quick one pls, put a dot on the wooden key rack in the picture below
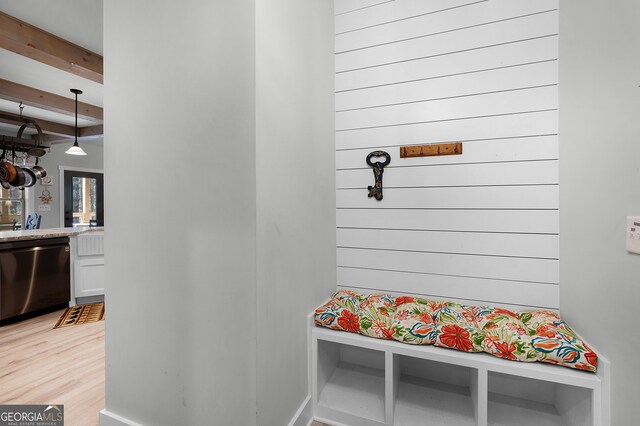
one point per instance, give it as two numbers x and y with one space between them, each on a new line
431 150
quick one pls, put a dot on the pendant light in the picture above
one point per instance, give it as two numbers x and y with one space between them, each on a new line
75 149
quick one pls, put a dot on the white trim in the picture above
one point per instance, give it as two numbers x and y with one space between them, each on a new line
107 418
61 170
304 415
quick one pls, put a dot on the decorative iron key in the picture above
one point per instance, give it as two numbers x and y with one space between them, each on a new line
378 169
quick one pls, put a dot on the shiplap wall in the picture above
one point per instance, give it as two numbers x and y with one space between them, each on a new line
481 227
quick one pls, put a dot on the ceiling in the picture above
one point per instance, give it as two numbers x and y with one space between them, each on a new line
78 22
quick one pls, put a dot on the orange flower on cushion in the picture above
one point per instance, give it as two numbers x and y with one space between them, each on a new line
547 345
457 337
388 333
501 311
469 315
434 306
405 299
349 321
426 318
591 357
505 350
490 340
571 356
546 331
380 328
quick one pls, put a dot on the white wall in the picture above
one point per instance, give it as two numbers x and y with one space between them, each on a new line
51 162
179 267
481 227
207 297
296 186
600 185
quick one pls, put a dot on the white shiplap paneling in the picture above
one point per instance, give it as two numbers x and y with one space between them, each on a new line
530 197
483 174
428 25
516 221
511 125
496 244
460 265
348 6
393 12
479 227
491 104
446 43
494 80
541 48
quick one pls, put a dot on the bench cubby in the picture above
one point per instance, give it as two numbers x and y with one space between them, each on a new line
434 390
361 381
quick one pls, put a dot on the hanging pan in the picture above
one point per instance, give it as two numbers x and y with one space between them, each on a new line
36 151
29 178
39 171
7 170
20 178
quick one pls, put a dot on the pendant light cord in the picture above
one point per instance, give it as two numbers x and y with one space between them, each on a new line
76 141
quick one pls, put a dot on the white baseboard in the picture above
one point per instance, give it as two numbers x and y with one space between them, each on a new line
108 418
304 415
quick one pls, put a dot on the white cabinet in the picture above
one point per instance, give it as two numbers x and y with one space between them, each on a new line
87 265
360 381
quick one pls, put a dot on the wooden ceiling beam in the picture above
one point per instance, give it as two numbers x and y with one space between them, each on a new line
46 126
90 131
15 92
25 39
57 130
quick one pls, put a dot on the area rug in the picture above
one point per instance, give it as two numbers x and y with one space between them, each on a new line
81 314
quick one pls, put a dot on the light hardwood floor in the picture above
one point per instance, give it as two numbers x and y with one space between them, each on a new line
40 365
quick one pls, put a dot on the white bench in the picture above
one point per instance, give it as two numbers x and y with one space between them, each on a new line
361 381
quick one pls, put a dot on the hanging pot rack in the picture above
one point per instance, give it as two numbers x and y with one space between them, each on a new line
34 147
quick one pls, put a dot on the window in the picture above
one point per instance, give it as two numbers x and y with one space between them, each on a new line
84 200
11 209
83 197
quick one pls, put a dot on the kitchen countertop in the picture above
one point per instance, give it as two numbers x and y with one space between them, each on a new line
35 234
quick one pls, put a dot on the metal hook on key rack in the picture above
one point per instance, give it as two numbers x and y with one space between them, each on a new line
378 169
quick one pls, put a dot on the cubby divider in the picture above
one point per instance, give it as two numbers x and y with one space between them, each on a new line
360 381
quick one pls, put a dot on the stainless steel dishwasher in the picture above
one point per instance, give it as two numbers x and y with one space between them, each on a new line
34 275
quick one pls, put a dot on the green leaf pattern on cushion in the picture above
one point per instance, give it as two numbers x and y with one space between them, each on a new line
377 310
413 323
556 343
505 334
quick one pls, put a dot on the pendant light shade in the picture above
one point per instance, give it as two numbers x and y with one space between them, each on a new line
75 149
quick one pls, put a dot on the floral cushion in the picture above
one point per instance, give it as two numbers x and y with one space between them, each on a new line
536 335
376 316
505 336
342 312
455 328
556 343
413 323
